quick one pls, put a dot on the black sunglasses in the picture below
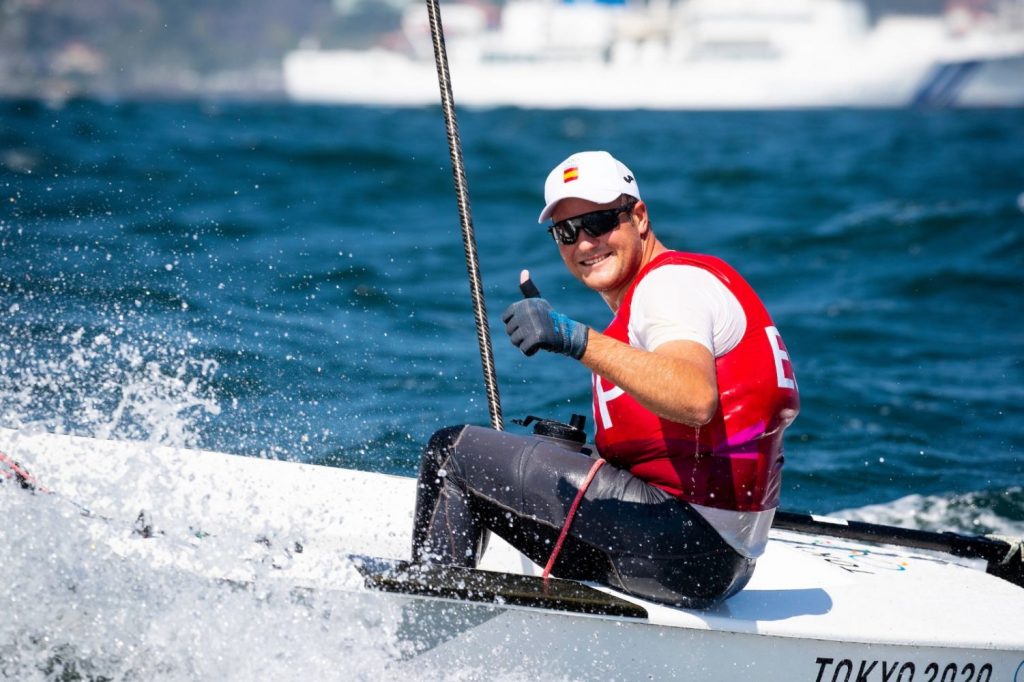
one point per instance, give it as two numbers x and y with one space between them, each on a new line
595 223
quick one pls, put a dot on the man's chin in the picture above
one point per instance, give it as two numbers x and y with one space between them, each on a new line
598 283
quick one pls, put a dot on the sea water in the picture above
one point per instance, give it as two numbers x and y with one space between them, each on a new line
285 281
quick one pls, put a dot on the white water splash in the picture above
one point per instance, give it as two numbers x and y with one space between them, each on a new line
970 512
78 608
108 387
86 598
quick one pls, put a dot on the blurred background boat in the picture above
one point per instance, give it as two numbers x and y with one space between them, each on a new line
684 54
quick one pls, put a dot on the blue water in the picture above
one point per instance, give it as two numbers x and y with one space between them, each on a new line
289 281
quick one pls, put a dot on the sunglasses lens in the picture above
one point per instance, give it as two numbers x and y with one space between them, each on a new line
595 224
565 233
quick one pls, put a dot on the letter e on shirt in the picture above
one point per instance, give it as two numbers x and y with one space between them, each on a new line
783 366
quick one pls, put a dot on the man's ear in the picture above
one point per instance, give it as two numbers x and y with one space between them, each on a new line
640 215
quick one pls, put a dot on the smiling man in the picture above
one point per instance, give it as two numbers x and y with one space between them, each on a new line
692 390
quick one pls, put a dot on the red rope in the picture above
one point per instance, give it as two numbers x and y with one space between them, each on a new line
17 472
570 516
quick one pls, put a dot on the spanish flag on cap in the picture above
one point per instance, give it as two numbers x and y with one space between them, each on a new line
571 173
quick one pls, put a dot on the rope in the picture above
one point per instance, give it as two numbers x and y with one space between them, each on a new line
483 334
1014 546
12 470
570 516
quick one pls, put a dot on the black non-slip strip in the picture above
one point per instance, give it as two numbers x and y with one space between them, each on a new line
488 587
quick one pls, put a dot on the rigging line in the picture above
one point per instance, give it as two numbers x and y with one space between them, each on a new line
483 334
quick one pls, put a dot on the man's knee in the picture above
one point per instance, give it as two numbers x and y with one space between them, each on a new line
441 445
439 450
443 440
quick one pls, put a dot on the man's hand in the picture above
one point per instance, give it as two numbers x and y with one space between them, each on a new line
532 324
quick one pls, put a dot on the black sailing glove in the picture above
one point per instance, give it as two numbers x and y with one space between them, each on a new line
532 324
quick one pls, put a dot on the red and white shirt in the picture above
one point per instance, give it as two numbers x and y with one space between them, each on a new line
729 469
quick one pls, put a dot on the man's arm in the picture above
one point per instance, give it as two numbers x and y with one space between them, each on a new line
677 381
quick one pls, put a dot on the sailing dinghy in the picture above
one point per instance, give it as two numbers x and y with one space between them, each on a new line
824 603
820 607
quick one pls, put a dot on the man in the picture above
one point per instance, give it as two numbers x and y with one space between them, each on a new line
693 388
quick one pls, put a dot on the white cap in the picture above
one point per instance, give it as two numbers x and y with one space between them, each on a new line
594 176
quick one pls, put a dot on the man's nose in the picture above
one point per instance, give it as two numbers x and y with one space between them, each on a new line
585 242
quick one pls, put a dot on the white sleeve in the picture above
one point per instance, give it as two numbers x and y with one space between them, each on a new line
685 303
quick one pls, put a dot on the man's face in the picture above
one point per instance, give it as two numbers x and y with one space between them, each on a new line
606 264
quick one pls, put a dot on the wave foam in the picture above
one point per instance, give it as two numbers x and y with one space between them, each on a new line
981 513
104 386
81 602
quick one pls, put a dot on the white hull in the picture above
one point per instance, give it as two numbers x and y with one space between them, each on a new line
685 55
380 78
385 79
817 608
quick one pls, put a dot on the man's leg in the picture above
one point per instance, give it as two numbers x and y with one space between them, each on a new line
473 478
444 528
626 533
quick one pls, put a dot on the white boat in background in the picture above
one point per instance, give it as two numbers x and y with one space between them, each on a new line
817 608
681 54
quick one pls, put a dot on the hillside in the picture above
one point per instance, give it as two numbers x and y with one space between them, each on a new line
161 48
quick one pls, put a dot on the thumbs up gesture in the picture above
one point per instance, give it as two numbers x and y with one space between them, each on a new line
532 325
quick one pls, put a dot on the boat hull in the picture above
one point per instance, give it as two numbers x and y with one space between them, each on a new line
817 608
380 78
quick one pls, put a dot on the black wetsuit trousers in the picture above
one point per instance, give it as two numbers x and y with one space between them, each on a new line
626 534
